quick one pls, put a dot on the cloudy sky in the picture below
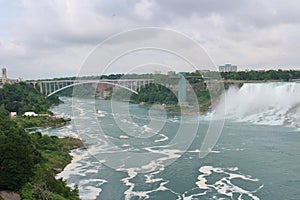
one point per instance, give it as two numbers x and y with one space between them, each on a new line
50 38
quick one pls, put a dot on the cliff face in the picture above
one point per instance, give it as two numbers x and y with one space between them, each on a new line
6 195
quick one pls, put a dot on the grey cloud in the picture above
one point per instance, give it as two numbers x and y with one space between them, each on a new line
239 31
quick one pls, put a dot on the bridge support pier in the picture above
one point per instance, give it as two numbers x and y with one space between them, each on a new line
41 87
182 90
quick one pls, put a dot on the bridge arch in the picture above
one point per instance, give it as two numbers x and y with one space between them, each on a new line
87 82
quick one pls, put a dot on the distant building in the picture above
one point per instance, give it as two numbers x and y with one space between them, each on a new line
157 72
29 114
4 76
13 115
171 73
202 71
5 80
228 68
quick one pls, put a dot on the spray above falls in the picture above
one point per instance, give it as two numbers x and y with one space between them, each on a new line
265 103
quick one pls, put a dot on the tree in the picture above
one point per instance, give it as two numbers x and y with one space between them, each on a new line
16 154
22 97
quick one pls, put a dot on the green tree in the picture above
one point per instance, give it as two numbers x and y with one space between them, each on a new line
16 155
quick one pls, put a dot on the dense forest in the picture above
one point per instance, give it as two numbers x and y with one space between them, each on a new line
154 93
22 97
159 94
284 75
28 161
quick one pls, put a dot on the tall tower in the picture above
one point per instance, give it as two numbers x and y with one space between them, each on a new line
4 75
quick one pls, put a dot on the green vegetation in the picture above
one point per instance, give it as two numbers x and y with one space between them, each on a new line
158 94
39 121
28 162
153 93
22 97
17 154
118 94
283 75
54 156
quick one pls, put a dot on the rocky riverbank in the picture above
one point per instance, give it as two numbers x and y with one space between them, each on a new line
7 195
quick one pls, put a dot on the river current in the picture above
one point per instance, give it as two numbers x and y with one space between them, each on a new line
249 161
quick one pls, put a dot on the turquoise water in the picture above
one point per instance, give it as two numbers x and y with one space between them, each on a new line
249 161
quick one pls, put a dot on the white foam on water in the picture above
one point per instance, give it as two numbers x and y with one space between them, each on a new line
129 193
126 121
224 185
101 113
149 179
91 171
146 128
174 119
75 166
125 145
154 167
206 171
164 138
89 192
198 151
81 166
170 154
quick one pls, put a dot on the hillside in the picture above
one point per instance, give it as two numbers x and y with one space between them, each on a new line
22 97
28 162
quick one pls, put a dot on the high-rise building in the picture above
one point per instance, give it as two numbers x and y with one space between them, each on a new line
228 68
171 73
4 75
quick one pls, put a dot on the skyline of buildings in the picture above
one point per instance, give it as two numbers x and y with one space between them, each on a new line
228 68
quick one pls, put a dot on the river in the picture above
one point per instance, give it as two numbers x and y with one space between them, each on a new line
251 160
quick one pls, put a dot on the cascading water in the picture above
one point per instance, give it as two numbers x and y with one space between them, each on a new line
265 103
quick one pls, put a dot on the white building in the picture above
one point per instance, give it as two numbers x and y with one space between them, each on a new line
29 114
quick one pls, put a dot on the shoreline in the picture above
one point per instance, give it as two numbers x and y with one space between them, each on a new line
80 145
43 127
177 109
57 161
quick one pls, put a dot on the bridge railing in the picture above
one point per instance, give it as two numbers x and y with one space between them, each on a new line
49 87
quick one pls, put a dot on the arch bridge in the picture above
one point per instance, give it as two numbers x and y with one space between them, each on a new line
49 88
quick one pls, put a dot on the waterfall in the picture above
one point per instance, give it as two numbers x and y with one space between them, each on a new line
265 103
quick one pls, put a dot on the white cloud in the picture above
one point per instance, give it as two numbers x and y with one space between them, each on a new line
51 38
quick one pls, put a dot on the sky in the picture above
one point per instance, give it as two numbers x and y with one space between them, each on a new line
53 38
